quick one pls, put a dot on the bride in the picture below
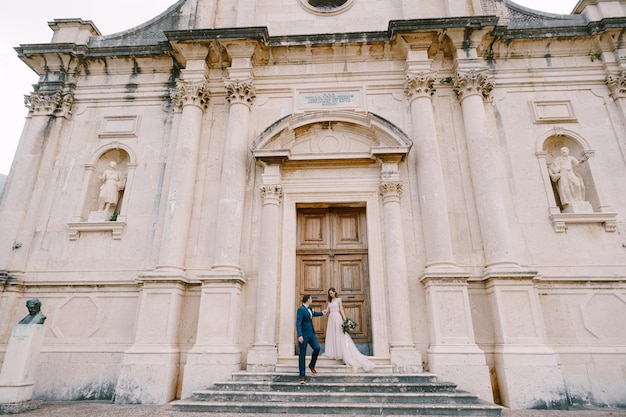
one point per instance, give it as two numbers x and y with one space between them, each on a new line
339 345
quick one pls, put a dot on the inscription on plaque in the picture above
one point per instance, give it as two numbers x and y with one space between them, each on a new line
331 99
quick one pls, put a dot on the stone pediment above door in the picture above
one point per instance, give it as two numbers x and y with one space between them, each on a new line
331 136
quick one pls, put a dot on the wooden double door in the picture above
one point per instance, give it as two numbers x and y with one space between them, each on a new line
332 252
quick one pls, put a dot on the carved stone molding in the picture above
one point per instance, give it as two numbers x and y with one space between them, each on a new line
473 82
421 85
76 228
271 194
190 93
561 221
617 85
56 103
240 92
391 190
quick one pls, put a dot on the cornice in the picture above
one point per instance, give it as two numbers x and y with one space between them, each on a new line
510 31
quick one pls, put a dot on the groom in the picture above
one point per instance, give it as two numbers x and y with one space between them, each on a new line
306 335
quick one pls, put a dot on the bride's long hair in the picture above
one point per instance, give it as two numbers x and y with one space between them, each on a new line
330 299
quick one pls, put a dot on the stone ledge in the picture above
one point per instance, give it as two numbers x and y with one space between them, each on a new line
560 221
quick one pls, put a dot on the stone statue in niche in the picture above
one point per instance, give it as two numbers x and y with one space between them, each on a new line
112 182
35 316
570 185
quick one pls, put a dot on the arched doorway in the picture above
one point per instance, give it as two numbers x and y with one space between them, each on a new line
329 167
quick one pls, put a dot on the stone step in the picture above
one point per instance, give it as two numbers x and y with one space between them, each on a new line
305 395
486 410
324 375
320 385
374 393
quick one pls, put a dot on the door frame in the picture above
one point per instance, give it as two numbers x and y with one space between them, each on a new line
349 189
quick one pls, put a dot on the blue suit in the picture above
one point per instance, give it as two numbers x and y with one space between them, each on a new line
304 327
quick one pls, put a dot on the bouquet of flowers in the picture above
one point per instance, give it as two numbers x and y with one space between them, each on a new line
348 325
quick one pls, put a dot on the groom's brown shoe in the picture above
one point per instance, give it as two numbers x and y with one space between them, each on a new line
313 371
302 381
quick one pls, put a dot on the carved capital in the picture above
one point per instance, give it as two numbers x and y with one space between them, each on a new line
190 93
469 83
240 92
271 194
617 85
56 103
391 190
421 85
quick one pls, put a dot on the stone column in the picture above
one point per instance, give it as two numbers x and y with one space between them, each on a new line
49 107
403 353
264 355
151 367
522 357
472 87
222 285
191 96
240 94
432 192
453 354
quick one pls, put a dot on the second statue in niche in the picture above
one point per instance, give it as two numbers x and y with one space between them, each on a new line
570 184
113 182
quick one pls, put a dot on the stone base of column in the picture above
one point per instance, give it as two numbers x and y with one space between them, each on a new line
529 377
205 366
21 407
16 393
148 377
262 358
405 359
464 365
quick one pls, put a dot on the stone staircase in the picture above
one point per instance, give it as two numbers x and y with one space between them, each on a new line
337 392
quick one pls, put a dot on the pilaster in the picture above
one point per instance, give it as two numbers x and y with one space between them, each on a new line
264 354
27 185
403 353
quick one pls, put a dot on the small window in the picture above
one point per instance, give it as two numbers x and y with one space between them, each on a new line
326 6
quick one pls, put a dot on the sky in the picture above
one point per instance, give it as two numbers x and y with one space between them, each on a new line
26 21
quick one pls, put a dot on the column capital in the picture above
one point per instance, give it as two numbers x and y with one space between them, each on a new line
57 103
240 92
391 190
473 82
190 93
617 84
419 85
271 194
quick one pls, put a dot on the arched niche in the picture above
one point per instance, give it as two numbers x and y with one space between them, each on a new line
108 173
590 209
553 147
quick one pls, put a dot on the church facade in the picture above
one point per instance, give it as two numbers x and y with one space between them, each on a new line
455 169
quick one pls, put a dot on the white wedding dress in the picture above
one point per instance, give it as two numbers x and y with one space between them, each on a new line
339 345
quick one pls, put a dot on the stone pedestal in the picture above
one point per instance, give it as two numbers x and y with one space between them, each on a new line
17 378
578 207
100 216
453 354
